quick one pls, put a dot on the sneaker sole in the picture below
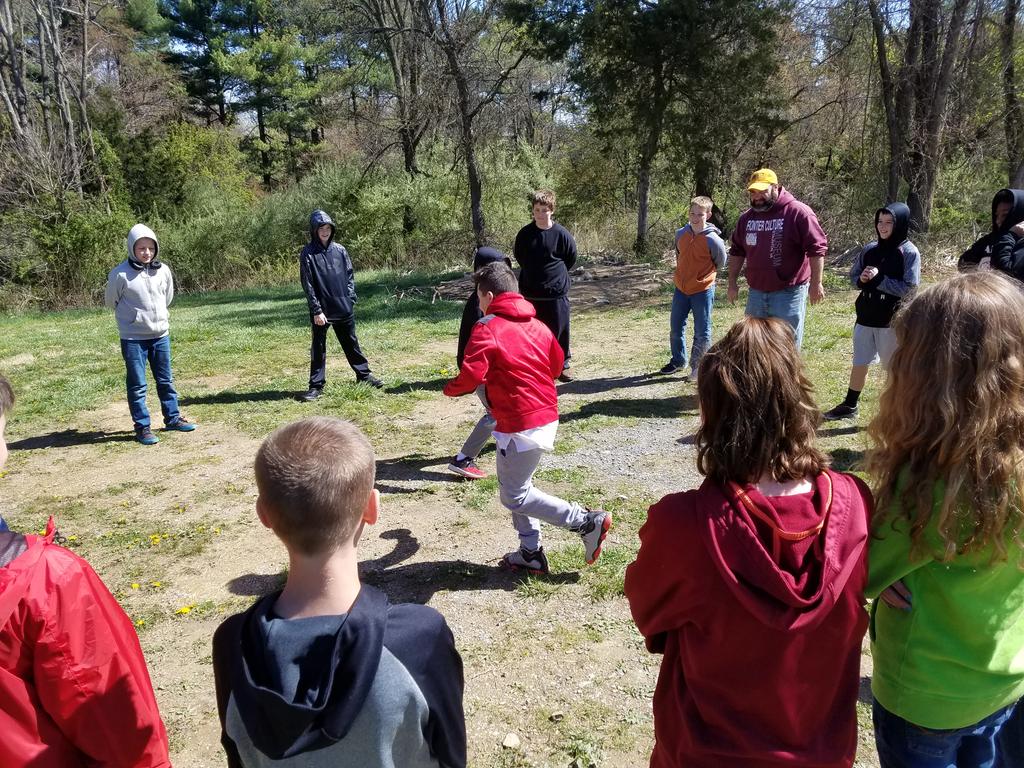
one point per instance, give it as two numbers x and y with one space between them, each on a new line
465 473
606 526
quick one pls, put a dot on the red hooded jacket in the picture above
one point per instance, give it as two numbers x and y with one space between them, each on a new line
517 358
758 607
74 689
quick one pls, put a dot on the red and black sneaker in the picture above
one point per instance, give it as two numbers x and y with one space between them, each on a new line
466 468
530 560
593 532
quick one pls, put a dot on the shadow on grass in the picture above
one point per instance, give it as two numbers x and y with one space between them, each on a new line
651 408
846 459
226 398
419 582
412 582
412 468
429 385
609 383
69 437
851 429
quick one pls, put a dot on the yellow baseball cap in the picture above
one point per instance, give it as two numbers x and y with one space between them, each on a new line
761 180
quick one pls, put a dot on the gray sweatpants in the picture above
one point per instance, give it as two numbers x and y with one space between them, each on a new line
482 431
527 504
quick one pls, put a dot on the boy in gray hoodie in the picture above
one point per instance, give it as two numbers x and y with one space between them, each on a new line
139 290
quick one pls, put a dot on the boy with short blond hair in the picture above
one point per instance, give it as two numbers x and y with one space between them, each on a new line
517 358
546 251
327 666
700 253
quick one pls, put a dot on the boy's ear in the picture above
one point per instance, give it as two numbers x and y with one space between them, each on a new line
261 513
372 508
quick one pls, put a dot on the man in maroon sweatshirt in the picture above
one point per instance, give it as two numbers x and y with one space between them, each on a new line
783 246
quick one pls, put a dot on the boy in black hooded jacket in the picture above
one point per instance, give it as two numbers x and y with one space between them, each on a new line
325 270
885 270
1003 247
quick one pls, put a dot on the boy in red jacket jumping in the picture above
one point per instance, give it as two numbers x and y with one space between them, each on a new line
517 358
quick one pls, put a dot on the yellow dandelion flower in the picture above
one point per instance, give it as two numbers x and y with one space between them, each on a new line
135 585
156 583
185 610
140 623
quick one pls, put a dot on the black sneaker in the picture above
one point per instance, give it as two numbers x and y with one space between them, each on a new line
670 368
372 381
145 436
567 375
531 561
841 411
593 533
313 394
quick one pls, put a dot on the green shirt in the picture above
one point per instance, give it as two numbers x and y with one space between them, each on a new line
958 655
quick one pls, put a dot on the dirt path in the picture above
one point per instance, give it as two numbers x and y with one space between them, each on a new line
557 663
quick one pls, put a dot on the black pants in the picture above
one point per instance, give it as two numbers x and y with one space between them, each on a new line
554 313
345 330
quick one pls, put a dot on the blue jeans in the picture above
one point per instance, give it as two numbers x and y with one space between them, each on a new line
158 353
700 304
902 744
789 304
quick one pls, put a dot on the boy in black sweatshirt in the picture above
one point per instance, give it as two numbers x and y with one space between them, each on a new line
1002 248
325 270
546 252
886 270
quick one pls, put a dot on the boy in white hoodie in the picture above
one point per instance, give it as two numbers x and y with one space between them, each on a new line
139 290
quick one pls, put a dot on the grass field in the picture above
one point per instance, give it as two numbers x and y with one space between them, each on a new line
172 531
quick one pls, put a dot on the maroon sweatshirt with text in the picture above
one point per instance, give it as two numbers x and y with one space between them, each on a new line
757 604
777 243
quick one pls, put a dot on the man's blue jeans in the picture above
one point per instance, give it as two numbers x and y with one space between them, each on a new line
902 744
789 304
700 304
158 353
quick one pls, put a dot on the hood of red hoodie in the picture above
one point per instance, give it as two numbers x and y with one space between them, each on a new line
787 559
512 306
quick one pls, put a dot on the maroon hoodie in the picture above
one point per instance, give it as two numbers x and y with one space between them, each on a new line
757 604
777 243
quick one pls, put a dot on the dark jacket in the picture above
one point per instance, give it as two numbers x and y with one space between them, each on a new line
899 270
379 686
326 273
471 312
757 604
546 256
517 358
74 688
1003 249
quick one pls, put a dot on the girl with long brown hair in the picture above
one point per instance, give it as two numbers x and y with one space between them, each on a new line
752 585
946 555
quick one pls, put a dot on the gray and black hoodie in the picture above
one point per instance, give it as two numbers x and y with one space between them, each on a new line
378 687
899 270
326 273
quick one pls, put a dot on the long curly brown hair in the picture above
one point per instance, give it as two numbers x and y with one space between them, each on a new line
953 414
758 413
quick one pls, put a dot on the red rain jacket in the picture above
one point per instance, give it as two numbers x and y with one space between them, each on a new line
757 604
74 689
517 358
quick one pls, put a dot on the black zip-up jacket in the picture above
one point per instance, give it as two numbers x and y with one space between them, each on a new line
326 273
546 256
471 312
1002 247
899 270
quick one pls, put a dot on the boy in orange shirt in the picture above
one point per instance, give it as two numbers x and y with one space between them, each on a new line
700 253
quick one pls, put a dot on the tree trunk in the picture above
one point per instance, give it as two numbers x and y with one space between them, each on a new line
648 152
1014 119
